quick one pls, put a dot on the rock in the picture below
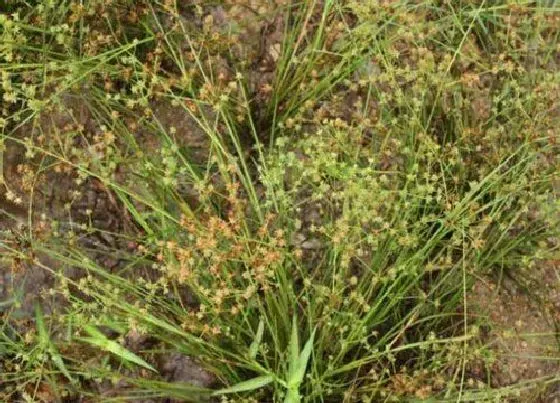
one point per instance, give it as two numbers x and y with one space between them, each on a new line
313 244
297 238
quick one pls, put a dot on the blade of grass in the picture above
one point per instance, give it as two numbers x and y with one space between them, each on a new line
46 343
246 386
100 340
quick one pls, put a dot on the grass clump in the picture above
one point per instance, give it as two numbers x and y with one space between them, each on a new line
304 214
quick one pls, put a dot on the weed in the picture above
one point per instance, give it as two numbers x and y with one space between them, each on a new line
299 197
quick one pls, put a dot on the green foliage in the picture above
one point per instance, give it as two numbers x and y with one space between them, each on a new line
304 214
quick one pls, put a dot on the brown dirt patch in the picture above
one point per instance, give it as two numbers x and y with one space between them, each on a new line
523 329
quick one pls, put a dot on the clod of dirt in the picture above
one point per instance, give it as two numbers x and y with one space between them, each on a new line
188 133
178 367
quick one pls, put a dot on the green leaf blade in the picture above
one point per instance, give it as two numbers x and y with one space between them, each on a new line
100 340
254 347
246 386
